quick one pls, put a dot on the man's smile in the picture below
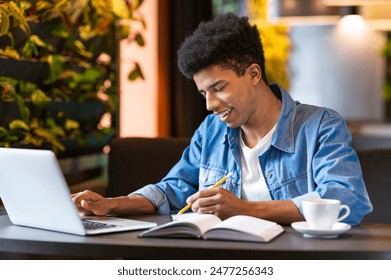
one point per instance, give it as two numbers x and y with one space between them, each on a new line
225 113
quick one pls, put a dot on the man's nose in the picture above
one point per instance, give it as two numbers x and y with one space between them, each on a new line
211 102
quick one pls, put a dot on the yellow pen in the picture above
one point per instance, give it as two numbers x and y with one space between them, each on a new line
222 180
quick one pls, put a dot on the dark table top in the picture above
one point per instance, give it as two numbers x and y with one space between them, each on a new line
367 241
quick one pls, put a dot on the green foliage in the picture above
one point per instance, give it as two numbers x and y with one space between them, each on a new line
387 56
276 42
76 40
387 47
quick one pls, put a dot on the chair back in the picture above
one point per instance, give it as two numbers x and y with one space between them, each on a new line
136 162
376 167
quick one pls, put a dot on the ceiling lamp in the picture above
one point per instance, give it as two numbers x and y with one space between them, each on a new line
298 12
355 2
376 13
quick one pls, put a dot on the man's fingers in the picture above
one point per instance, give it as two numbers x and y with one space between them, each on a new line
202 194
93 207
86 204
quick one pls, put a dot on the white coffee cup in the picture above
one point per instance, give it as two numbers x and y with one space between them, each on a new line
323 213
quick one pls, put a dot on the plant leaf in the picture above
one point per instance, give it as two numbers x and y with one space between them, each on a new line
10 52
120 9
139 39
4 22
18 15
18 124
71 125
56 64
23 109
81 49
40 99
135 73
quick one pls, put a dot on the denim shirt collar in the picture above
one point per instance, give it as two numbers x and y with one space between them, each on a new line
283 138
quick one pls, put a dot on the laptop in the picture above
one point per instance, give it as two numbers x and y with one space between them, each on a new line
35 194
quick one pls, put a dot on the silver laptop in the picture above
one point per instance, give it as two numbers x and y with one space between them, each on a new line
35 194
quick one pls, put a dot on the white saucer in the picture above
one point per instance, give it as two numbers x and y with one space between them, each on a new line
336 230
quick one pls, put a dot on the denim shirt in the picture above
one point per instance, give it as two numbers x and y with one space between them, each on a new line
310 157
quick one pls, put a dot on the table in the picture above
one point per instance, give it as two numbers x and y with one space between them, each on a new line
367 241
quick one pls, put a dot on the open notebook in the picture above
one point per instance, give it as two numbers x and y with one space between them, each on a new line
35 194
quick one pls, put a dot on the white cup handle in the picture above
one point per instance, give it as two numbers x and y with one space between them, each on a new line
347 209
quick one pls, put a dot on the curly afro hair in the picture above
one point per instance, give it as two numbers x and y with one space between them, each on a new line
228 41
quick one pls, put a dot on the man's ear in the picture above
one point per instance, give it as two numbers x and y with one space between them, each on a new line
255 71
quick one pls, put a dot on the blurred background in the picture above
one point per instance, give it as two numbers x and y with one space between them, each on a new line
121 54
327 53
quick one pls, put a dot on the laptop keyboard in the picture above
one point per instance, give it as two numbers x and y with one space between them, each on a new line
96 225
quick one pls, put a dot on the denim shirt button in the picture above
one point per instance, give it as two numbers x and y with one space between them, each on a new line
269 175
204 179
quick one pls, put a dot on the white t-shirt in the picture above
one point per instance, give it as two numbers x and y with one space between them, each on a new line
254 186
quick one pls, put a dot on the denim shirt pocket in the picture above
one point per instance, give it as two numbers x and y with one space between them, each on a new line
291 187
210 176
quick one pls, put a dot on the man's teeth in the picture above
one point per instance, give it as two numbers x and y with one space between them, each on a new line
225 113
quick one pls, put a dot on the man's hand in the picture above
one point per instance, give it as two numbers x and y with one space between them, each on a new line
218 201
225 204
90 203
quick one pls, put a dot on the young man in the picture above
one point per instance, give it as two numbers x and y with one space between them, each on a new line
279 151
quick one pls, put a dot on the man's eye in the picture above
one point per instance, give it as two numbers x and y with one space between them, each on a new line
221 88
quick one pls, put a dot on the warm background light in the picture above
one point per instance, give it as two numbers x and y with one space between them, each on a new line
353 24
138 106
